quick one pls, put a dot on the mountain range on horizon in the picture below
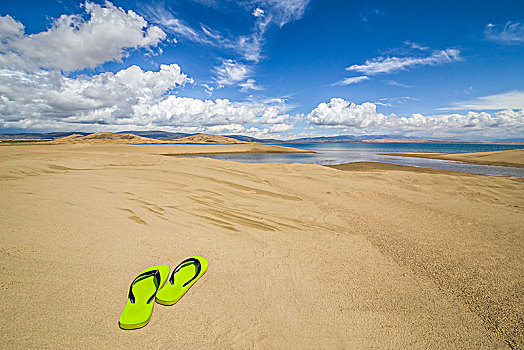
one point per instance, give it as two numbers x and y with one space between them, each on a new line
168 136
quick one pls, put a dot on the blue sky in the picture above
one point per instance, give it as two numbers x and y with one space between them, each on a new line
265 68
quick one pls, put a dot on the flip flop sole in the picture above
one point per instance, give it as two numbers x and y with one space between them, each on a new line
138 313
171 293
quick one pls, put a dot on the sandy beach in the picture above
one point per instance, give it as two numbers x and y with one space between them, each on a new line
300 256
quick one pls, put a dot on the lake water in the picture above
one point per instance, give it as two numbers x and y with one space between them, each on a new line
340 153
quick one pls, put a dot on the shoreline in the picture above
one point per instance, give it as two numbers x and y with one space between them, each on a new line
255 148
509 158
385 167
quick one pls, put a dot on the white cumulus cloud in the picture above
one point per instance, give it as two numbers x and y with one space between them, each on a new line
339 112
364 118
74 42
48 95
131 98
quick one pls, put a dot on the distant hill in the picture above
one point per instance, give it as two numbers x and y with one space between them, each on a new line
405 140
253 139
203 138
104 137
120 137
127 138
153 134
159 135
418 140
38 136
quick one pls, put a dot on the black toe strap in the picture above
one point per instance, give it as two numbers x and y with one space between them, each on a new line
147 274
193 260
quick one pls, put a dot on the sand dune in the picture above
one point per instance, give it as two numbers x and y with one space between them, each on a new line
104 137
80 137
124 138
300 256
203 138
511 158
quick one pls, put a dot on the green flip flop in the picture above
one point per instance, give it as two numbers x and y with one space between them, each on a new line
142 293
182 278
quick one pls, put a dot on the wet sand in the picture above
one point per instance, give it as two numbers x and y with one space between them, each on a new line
511 158
300 256
384 167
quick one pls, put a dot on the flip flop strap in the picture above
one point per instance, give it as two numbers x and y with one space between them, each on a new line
152 273
196 261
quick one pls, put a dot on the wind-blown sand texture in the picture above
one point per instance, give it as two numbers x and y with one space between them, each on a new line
300 256
511 158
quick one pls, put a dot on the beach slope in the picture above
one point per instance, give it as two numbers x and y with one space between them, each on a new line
300 256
